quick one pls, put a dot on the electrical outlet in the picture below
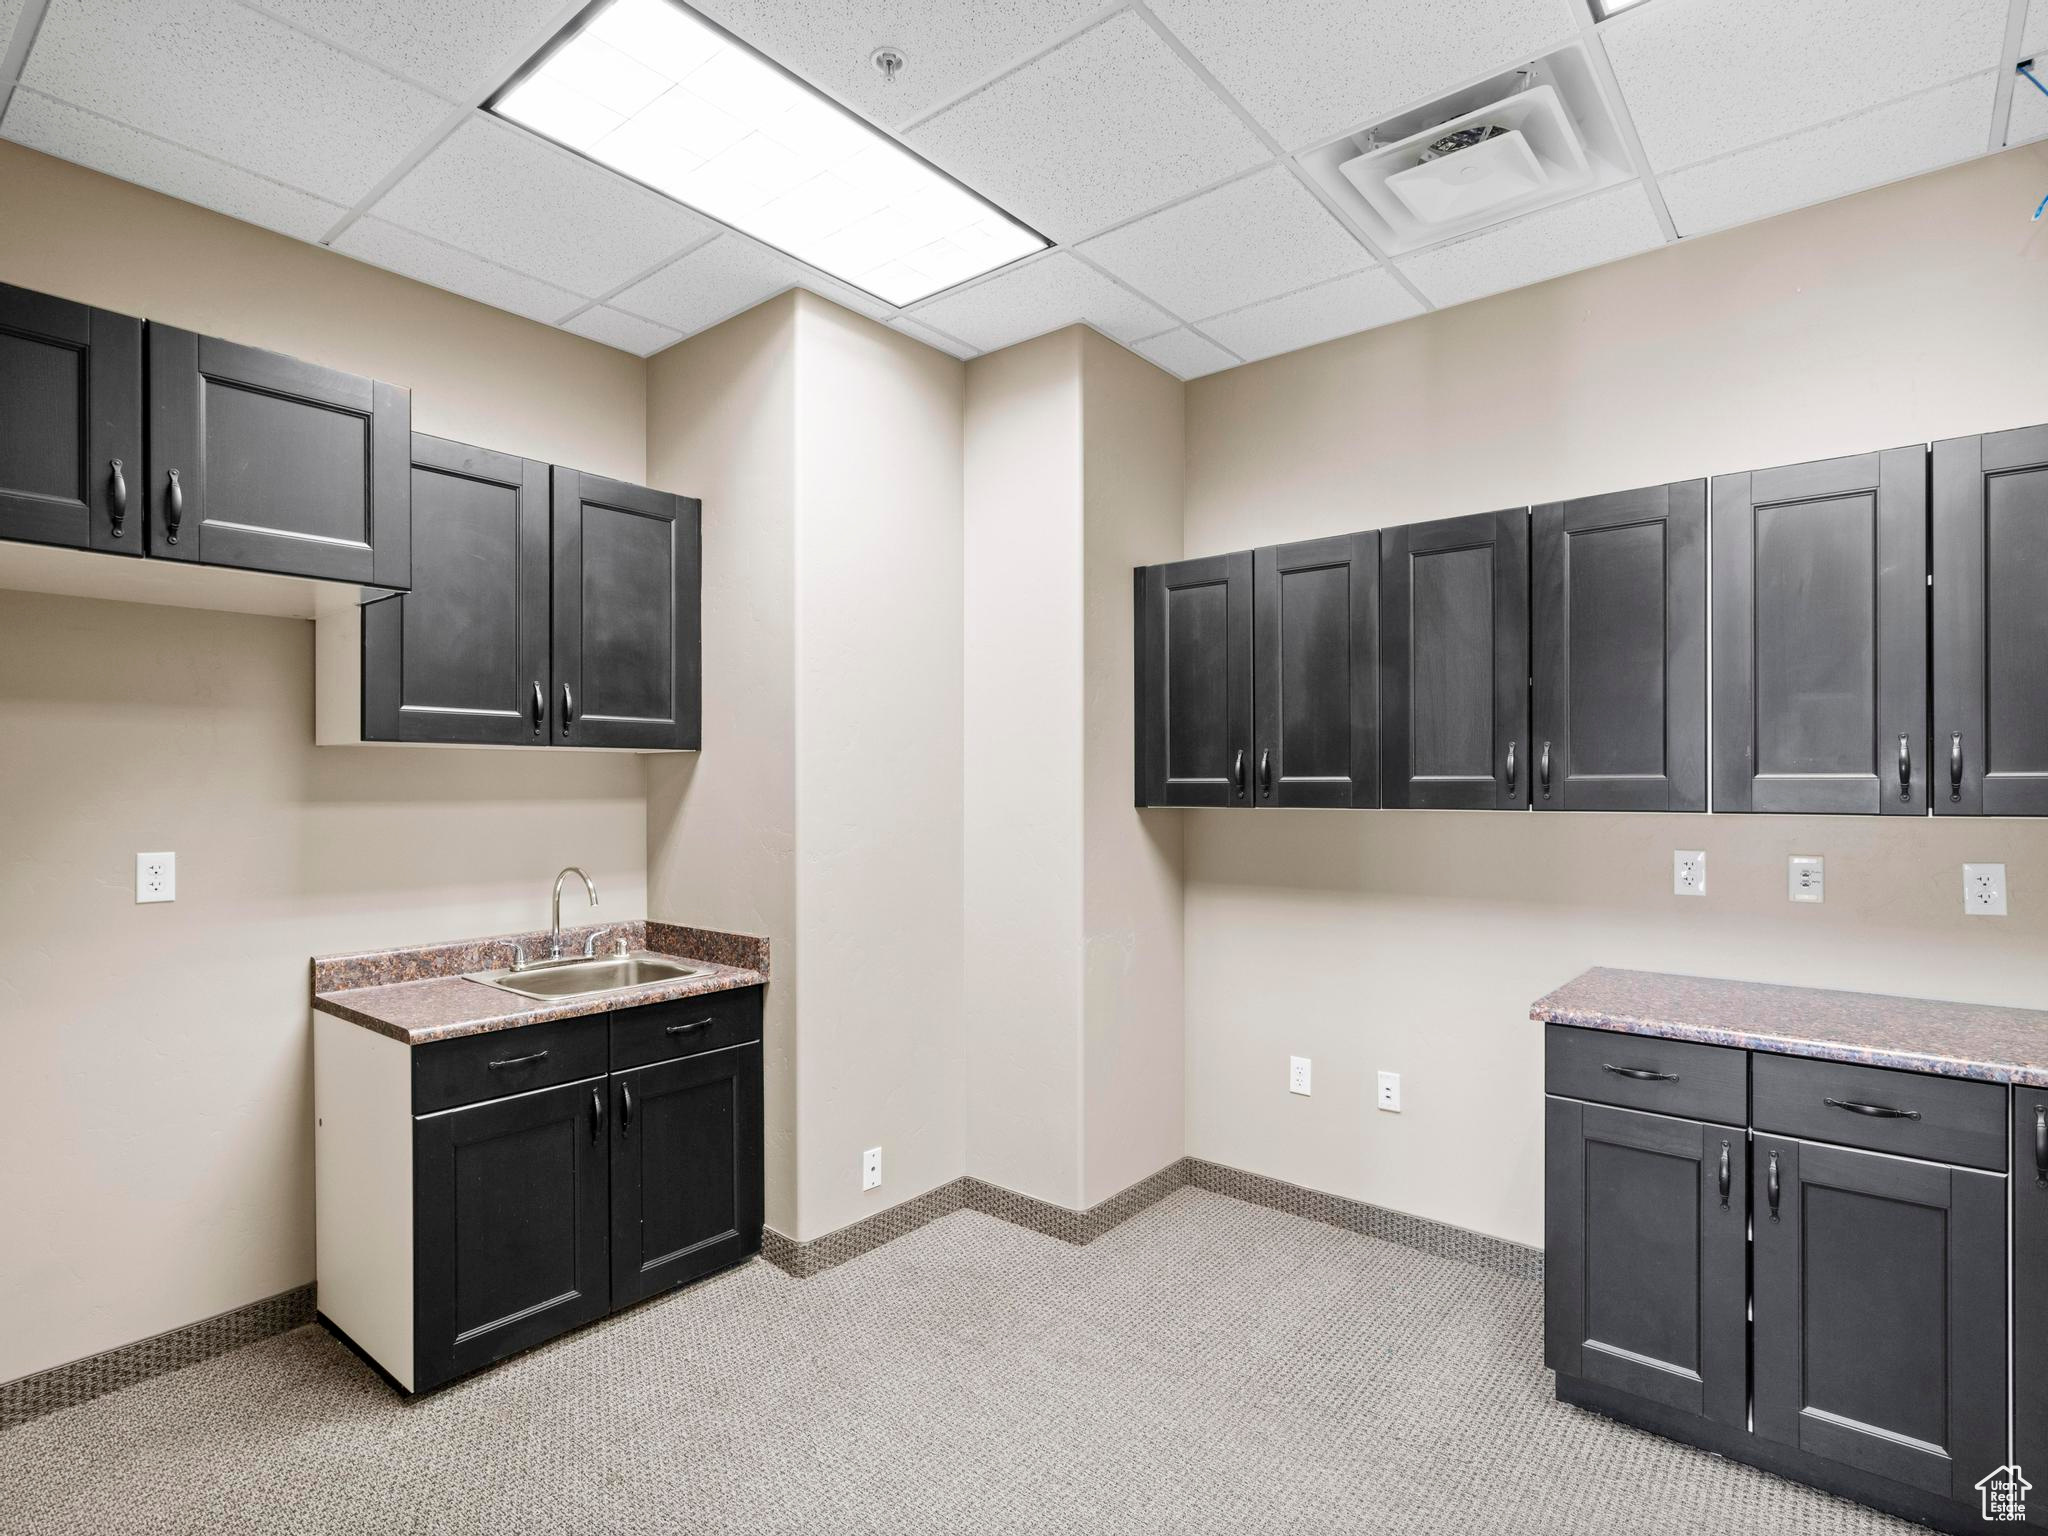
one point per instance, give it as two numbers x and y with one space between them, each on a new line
1297 1075
1688 872
156 877
1805 878
1390 1092
871 1168
1984 890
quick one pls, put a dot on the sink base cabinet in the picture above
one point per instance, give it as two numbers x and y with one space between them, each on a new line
483 1195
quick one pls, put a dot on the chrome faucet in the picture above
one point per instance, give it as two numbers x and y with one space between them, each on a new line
555 930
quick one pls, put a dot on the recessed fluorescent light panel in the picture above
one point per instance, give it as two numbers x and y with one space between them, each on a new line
654 92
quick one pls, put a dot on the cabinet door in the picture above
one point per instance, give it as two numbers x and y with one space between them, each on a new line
2030 1287
1880 1312
627 642
1454 663
1820 636
463 656
264 462
1194 645
1316 687
70 424
1990 624
509 1212
686 1169
1618 620
1645 1281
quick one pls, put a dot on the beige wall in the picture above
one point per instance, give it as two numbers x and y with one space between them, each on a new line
155 1149
1415 941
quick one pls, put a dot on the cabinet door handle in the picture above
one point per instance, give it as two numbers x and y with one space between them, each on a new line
2041 1143
1724 1175
1875 1111
174 507
1955 765
1639 1074
1511 767
519 1061
626 1109
117 496
568 709
1905 769
540 706
597 1118
1237 773
1266 772
1543 770
1771 1185
688 1029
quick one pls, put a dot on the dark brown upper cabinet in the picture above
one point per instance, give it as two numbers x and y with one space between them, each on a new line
463 656
263 462
1618 616
1315 692
1820 636
1194 699
71 468
1454 663
626 652
1991 624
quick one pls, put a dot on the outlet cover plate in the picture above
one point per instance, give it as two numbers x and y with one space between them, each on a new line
871 1168
156 877
1298 1075
1688 872
1984 890
1390 1092
1805 877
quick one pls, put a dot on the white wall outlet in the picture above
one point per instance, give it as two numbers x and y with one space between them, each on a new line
1984 890
1688 872
1297 1075
156 877
1805 879
871 1168
1390 1092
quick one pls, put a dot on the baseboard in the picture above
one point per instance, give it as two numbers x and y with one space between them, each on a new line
804 1260
65 1386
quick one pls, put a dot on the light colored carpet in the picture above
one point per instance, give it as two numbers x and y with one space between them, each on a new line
1210 1366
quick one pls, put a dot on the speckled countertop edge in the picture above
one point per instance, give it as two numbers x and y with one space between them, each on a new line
1967 1040
420 995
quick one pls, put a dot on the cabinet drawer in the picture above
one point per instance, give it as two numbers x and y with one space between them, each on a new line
665 1031
479 1067
1667 1077
1943 1119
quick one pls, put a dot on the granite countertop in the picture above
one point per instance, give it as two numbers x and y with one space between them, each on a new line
420 995
1999 1045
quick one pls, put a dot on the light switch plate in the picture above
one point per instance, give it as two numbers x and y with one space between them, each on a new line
1688 872
156 877
1805 877
1297 1075
1984 890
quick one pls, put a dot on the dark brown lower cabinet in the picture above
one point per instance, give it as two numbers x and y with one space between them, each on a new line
2030 1289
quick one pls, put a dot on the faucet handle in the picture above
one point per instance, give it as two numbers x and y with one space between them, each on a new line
590 942
519 960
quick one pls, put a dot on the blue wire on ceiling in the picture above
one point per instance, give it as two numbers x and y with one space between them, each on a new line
2027 69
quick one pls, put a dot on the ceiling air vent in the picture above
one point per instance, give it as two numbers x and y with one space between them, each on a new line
1506 146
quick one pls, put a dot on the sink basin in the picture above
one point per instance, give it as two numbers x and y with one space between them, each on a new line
579 978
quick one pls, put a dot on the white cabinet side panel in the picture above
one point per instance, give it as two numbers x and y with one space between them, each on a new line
362 1182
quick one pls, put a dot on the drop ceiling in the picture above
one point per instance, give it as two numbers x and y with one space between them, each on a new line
1157 143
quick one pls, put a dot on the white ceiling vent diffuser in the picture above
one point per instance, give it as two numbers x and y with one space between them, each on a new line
1520 141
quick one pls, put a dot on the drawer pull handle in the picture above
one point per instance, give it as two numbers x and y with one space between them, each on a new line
1511 767
1876 1111
1771 1186
1905 769
626 1111
1266 772
1543 770
174 507
1955 765
1237 773
690 1028
1724 1175
540 707
117 497
519 1061
597 1118
1639 1074
2041 1143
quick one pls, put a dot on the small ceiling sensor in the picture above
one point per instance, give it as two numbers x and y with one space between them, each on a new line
889 61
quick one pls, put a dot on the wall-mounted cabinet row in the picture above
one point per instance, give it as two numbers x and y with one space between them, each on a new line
1556 656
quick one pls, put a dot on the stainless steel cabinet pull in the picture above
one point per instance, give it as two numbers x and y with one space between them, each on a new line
117 496
2041 1143
1877 1111
520 1061
568 709
1511 767
174 508
540 706
1639 1074
1266 771
1771 1185
1237 773
1724 1175
597 1117
1543 770
690 1028
626 1109
1905 769
1955 765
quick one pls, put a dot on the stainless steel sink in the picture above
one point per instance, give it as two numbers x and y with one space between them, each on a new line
579 978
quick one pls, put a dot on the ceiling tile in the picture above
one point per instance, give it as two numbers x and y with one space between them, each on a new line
1900 139
499 192
92 141
932 338
236 85
1041 296
1604 227
1100 129
831 43
629 333
429 261
1309 70
1248 241
1184 354
457 47
1355 303
1707 77
10 13
714 281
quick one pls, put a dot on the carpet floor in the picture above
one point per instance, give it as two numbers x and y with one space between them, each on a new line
1209 1366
